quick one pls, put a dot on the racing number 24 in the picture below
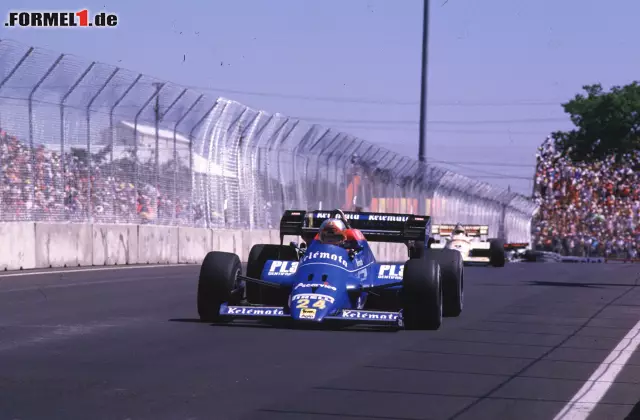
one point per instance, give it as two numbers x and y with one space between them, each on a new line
304 303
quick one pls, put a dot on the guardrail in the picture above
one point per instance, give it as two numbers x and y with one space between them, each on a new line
28 245
88 142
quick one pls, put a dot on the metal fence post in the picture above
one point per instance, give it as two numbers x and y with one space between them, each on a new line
136 180
271 145
259 158
175 150
13 70
88 115
347 156
158 117
111 125
62 136
379 189
248 167
318 156
283 184
193 129
306 139
31 146
231 154
214 143
405 186
336 150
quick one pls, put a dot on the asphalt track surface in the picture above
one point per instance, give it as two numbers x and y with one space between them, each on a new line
126 344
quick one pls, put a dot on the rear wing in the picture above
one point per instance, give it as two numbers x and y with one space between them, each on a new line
376 227
473 231
516 246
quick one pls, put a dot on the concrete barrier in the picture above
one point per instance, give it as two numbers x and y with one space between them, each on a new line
193 244
28 245
227 241
63 245
17 245
157 244
115 244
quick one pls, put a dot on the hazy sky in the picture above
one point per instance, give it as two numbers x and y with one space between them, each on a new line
489 60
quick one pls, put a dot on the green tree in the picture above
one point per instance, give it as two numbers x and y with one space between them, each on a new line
606 123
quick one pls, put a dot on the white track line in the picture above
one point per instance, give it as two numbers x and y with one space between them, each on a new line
82 270
588 397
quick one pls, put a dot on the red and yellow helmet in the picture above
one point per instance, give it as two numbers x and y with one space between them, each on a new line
332 232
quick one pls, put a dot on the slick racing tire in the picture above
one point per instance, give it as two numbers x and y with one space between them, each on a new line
422 295
452 272
218 279
417 251
258 257
497 257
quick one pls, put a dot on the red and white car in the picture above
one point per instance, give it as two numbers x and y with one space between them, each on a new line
471 241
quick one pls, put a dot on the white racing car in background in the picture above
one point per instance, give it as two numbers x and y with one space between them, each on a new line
472 242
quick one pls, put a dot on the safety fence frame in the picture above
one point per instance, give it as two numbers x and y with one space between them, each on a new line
84 141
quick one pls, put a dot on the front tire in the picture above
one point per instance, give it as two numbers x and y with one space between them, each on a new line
422 295
497 256
452 269
218 279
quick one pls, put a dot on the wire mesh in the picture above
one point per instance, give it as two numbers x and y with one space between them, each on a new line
89 142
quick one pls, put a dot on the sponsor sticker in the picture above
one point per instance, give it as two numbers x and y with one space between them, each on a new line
307 313
283 268
60 19
249 311
325 256
369 315
349 216
373 217
315 285
313 296
385 218
391 272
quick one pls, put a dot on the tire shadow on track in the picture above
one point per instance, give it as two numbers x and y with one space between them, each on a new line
635 413
577 284
286 326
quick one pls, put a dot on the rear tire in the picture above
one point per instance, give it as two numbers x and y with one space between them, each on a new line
497 256
258 257
452 272
417 250
218 279
422 295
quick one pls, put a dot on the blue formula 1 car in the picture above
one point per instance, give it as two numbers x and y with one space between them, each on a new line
320 281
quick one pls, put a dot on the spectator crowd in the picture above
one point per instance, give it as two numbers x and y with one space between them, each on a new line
52 186
587 209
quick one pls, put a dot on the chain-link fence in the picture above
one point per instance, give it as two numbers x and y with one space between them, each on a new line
89 142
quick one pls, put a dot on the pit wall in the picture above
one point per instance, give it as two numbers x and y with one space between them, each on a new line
28 245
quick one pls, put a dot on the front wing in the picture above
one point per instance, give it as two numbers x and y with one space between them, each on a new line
351 316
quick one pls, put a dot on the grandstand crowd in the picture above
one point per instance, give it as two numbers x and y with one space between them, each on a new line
54 186
587 209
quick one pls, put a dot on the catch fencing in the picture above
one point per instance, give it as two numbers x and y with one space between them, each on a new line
89 142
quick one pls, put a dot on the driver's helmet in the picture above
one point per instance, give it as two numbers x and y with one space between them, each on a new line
459 230
332 232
